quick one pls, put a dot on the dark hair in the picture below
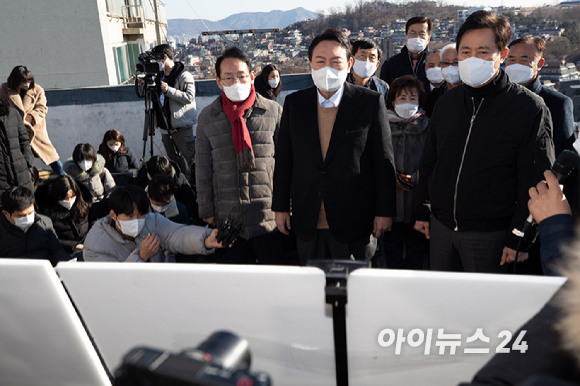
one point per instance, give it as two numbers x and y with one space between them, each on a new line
405 82
122 198
19 75
17 198
265 73
84 151
160 187
235 53
58 191
419 20
165 49
332 35
111 135
365 44
537 41
483 19
159 165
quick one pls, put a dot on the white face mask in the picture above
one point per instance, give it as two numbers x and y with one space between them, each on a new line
161 65
328 79
451 74
274 82
238 92
115 148
24 222
416 45
68 204
474 71
434 75
162 209
364 69
25 86
406 110
519 73
131 228
85 165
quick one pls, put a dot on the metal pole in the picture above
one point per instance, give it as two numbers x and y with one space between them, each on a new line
156 22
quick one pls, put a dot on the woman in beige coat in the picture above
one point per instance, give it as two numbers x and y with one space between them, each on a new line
28 98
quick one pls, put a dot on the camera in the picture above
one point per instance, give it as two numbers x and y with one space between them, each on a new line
147 63
228 231
221 360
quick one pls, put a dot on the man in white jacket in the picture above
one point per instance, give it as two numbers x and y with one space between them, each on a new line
131 234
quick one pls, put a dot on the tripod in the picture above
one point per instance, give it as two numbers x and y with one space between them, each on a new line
153 109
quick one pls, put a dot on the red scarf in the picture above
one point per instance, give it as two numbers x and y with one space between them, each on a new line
240 135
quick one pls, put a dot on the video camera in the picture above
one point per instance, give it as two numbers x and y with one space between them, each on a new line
148 65
222 360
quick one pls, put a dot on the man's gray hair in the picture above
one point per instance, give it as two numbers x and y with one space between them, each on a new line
450 45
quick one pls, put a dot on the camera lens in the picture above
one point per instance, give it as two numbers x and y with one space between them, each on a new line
227 350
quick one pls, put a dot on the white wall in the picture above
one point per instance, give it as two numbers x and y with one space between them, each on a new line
70 125
59 40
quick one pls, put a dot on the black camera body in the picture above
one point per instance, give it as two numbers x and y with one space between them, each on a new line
228 231
222 360
147 63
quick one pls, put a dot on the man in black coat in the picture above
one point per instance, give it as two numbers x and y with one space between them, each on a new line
25 234
411 60
16 158
490 140
524 62
334 160
367 55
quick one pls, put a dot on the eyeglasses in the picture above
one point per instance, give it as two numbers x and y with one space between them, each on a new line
230 80
414 34
447 64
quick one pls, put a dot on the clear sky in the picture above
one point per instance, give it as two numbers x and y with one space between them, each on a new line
220 9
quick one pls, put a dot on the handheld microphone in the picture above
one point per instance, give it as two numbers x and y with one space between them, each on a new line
563 166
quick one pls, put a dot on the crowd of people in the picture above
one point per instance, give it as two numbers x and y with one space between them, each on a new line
429 165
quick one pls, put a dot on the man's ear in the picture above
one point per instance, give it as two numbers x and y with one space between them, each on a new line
503 54
217 80
6 213
541 63
111 213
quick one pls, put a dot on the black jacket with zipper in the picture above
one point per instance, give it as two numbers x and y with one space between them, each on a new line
486 148
402 64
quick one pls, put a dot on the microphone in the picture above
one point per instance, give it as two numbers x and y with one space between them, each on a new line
563 166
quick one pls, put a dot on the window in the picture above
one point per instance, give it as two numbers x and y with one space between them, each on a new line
121 64
133 51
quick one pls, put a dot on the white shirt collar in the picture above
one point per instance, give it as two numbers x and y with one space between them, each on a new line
335 99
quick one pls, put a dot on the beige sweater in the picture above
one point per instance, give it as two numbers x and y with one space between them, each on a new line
326 119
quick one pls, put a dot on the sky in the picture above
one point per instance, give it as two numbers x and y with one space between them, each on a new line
220 9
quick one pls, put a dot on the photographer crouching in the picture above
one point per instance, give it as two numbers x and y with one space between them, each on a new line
176 90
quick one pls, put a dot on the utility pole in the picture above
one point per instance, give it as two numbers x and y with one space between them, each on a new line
157 33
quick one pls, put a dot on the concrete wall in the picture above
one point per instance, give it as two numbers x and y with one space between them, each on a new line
59 40
84 115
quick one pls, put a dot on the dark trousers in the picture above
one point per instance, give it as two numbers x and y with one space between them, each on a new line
404 247
466 251
323 246
266 249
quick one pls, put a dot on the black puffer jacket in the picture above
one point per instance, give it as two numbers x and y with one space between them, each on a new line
16 157
480 160
69 232
120 162
39 242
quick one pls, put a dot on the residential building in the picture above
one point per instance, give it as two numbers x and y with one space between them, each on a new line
79 43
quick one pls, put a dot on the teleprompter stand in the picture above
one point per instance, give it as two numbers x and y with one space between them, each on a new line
337 272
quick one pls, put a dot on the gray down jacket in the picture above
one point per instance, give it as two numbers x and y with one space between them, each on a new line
104 243
97 179
222 188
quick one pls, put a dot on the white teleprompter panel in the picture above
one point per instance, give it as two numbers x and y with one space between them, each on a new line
281 311
42 340
457 302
